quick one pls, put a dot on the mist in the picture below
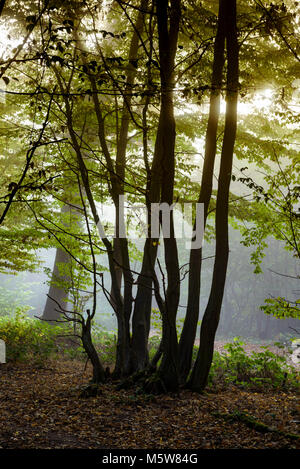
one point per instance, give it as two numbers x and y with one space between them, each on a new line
245 291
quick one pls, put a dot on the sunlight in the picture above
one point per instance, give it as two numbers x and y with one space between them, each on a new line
262 100
7 42
99 21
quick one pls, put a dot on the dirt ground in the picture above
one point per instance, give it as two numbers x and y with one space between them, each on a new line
41 408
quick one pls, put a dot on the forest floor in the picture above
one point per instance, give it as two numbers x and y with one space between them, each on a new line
41 408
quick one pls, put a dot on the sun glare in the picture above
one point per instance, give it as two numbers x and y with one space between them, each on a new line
7 42
262 100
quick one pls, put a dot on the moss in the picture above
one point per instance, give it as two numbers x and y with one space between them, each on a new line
251 422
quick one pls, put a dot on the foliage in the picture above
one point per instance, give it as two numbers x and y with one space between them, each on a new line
62 132
282 308
105 344
260 370
29 338
153 345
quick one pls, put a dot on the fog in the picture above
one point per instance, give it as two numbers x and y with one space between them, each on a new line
245 291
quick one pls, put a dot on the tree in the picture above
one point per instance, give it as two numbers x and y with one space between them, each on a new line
187 337
107 101
210 320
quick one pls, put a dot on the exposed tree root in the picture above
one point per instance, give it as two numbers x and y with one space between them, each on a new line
251 422
133 380
154 385
90 390
147 381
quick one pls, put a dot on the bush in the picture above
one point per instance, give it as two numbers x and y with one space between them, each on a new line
153 345
105 343
28 338
259 370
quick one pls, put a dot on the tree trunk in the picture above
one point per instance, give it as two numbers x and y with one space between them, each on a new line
211 316
167 37
142 309
98 370
124 322
188 334
164 148
2 3
119 262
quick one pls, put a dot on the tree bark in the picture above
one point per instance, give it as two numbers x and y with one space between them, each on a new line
98 370
211 316
188 334
167 37
2 4
119 262
161 189
142 309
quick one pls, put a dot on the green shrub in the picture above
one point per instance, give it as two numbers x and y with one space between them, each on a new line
28 338
258 370
153 345
105 343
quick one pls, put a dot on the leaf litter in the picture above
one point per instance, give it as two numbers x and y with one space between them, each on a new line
41 408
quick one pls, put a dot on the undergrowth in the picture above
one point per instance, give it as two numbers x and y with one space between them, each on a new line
259 370
32 339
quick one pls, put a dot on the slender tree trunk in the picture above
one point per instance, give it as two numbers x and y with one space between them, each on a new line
98 370
122 138
161 189
142 309
143 302
2 4
167 37
119 261
188 334
211 316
